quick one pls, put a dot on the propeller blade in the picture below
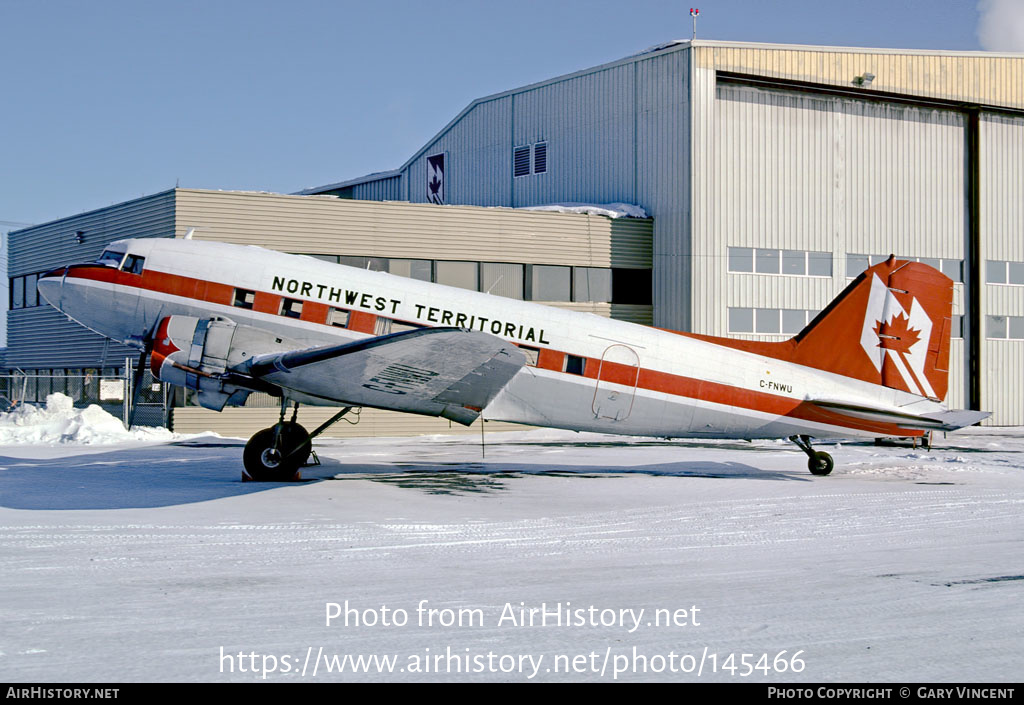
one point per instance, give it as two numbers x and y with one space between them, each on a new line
140 372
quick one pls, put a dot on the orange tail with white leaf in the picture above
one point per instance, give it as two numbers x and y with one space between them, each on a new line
891 326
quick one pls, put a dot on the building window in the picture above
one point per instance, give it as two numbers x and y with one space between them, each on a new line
292 308
741 320
766 261
769 321
857 263
550 283
1002 272
521 161
31 291
420 269
501 279
464 275
800 263
17 292
374 264
244 298
631 286
592 284
1004 327
741 259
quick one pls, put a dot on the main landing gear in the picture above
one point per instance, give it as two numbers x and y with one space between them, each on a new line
819 462
275 454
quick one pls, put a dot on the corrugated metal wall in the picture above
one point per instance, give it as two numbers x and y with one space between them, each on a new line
53 244
663 184
590 151
479 162
316 224
981 77
389 189
1002 239
40 337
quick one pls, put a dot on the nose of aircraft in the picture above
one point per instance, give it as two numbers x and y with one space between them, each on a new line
50 286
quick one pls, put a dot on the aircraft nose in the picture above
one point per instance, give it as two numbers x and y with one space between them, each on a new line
50 286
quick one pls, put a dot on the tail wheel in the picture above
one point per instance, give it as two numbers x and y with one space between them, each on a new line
820 463
275 454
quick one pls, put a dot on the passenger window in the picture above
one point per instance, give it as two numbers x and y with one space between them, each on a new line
244 298
291 308
532 355
338 317
574 364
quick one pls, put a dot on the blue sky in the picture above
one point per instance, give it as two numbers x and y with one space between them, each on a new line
106 100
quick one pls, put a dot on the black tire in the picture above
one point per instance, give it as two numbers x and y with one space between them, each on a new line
264 463
821 463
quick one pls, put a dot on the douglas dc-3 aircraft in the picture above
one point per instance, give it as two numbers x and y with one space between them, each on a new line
226 320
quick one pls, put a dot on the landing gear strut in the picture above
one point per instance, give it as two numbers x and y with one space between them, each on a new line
275 454
819 462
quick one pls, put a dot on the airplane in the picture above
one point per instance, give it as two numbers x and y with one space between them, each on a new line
226 320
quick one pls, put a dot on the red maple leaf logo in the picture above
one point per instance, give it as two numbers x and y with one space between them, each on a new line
897 334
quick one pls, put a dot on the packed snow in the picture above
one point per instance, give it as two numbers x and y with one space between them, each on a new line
653 560
58 421
611 210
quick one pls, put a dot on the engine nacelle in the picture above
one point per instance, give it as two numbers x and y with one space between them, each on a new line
195 353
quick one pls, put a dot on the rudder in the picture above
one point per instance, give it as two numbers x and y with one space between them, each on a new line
891 326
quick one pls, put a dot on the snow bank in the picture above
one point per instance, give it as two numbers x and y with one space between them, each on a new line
61 422
612 210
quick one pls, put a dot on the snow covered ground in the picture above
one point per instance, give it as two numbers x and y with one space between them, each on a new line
151 561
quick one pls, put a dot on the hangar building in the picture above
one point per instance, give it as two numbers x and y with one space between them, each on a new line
773 174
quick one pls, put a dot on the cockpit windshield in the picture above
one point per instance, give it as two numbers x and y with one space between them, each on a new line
111 258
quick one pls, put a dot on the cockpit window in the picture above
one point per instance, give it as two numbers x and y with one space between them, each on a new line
111 258
133 264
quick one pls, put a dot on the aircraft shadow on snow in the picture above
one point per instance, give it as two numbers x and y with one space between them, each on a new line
184 473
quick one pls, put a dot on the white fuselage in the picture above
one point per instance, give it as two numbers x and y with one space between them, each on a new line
590 373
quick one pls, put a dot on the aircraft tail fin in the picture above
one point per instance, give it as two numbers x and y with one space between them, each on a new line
891 326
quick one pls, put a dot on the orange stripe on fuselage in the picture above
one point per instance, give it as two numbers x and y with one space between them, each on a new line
613 372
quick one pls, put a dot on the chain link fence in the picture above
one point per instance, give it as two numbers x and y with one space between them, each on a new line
108 388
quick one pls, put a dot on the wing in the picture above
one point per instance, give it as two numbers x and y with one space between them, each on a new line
449 372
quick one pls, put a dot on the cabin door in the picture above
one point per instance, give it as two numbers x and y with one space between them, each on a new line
617 378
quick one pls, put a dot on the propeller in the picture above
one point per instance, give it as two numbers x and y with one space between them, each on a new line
140 371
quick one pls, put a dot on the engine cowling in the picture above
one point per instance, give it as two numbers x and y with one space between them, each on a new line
196 353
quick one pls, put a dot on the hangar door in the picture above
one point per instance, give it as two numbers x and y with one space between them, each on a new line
789 177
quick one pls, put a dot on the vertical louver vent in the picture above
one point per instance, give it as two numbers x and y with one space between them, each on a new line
540 157
521 161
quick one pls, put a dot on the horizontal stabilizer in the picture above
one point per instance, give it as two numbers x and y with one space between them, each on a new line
449 372
935 421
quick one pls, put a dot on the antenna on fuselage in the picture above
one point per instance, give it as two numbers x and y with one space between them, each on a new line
188 234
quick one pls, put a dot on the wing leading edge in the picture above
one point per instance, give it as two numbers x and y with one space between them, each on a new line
449 372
